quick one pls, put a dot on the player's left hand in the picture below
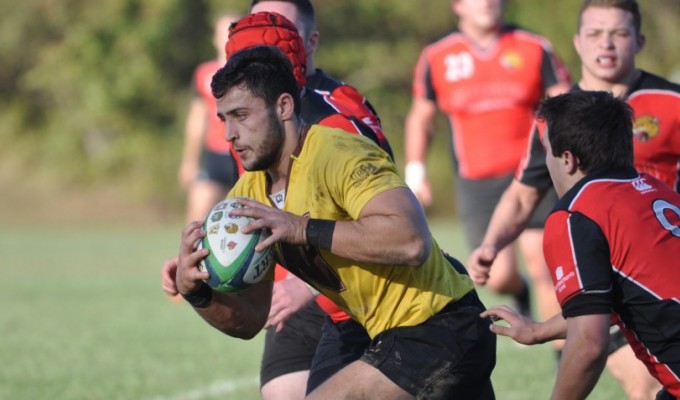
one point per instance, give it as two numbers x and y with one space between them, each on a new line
520 328
283 226
169 276
288 297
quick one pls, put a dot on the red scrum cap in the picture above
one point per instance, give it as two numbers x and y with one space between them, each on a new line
269 29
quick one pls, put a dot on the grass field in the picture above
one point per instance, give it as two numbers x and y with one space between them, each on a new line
83 317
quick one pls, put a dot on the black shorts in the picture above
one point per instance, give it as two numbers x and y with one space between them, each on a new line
341 344
477 198
450 356
292 349
218 167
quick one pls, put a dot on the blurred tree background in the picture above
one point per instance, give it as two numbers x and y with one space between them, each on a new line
95 93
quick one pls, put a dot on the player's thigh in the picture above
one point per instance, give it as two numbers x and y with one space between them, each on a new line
632 374
286 387
292 349
341 344
202 196
450 356
359 380
218 167
217 175
531 245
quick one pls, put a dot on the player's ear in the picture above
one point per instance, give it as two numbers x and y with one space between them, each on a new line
641 40
570 162
577 44
312 43
285 106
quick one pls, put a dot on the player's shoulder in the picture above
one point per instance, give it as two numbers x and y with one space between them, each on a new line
334 143
320 80
315 107
445 42
519 34
649 82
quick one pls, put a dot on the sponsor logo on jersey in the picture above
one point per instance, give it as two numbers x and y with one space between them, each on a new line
641 186
511 60
645 128
362 173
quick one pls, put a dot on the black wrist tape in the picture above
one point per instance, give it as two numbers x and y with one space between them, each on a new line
201 298
320 233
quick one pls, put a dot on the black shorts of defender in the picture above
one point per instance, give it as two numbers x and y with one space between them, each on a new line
292 349
218 167
341 344
476 200
450 356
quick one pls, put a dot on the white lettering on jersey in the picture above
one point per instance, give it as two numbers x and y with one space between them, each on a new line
660 206
459 66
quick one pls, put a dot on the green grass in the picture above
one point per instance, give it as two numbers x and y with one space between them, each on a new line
82 316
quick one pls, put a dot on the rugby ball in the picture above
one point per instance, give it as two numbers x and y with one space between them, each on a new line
233 263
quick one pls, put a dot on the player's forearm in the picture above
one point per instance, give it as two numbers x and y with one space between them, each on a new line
236 314
419 130
552 329
512 214
580 367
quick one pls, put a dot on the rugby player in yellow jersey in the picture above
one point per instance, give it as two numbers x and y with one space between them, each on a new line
351 229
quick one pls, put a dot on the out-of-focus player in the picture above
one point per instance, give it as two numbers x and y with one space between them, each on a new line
208 170
488 78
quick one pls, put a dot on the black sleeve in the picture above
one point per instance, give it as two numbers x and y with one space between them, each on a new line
591 251
533 171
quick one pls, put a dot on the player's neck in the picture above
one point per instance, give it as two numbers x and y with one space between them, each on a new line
482 38
619 87
278 174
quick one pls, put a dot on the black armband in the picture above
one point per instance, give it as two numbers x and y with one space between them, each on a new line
320 233
201 298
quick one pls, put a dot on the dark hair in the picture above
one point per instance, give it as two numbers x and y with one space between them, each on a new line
594 126
306 10
630 6
263 70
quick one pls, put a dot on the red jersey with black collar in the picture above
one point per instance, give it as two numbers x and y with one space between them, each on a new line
215 138
621 257
489 95
656 130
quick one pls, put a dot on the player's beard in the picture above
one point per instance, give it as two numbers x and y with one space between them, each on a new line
269 151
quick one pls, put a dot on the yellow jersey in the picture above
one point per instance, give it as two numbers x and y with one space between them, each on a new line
332 176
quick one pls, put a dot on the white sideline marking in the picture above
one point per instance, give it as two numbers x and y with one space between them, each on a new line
218 388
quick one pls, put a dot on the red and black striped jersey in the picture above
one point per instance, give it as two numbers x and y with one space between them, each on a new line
490 95
350 103
612 245
656 129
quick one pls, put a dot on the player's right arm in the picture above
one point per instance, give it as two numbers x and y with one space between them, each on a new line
241 314
524 330
417 139
510 217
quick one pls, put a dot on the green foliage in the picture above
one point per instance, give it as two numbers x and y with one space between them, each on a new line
95 93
